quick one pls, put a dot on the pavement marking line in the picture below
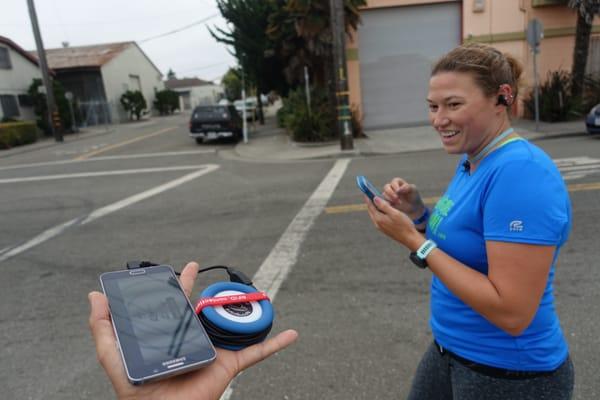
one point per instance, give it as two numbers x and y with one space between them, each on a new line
579 187
363 207
100 173
278 264
121 144
348 208
101 212
41 238
104 158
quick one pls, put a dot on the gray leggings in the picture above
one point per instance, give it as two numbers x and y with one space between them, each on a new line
441 377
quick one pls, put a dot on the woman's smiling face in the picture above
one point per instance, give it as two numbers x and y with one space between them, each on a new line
465 118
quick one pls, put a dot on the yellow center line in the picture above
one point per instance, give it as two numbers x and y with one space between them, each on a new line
117 145
579 187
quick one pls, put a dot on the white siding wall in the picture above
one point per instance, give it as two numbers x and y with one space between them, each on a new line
206 94
17 80
201 95
116 78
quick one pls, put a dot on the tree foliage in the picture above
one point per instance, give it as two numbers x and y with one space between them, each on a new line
40 106
301 30
232 82
249 43
166 101
134 103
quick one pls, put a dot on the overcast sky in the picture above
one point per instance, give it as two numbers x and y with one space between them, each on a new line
191 52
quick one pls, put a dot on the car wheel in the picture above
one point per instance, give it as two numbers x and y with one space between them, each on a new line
199 140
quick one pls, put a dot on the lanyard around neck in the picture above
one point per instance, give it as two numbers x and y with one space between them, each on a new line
491 145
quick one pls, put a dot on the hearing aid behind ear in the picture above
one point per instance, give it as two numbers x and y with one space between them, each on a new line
502 101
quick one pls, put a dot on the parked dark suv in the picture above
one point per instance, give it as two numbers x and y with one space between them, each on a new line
215 122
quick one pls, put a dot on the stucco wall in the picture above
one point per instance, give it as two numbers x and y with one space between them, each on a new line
17 80
115 77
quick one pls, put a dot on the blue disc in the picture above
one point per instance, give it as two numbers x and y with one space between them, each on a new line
231 324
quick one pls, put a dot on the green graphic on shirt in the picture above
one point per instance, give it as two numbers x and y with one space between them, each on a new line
441 211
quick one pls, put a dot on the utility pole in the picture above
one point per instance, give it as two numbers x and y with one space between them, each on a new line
51 103
339 56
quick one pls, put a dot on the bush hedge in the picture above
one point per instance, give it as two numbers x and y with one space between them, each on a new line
17 134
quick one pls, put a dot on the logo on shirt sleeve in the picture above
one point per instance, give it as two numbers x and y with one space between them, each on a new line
516 226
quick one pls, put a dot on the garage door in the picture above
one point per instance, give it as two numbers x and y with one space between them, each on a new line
396 49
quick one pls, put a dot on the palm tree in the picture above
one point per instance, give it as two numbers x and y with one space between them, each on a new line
301 30
586 9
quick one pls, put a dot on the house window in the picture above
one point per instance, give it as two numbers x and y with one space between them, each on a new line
593 61
9 106
4 58
541 3
25 100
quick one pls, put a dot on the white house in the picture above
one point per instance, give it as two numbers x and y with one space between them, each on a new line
17 70
194 92
98 75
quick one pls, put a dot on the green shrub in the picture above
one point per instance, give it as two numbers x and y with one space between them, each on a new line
17 134
134 103
555 100
166 101
305 126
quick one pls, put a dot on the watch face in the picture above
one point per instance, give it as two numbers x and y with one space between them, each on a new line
418 261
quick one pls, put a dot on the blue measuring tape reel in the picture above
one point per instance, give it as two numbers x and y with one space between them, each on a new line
239 325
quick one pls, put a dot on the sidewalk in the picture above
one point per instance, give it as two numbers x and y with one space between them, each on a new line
277 146
271 143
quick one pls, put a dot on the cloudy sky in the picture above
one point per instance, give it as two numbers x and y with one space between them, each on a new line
190 52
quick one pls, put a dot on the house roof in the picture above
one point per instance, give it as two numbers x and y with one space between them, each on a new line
185 82
92 56
19 49
84 56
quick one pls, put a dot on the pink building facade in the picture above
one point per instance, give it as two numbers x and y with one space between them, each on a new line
390 55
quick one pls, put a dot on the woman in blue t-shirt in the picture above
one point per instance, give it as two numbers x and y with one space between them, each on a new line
491 242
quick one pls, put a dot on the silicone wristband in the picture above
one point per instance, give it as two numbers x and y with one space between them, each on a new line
422 218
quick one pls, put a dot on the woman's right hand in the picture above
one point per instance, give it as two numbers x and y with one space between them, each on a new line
404 197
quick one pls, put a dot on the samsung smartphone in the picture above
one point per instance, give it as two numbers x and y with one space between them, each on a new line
158 332
367 187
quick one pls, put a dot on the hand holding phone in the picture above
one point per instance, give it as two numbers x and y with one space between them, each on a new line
367 187
207 383
156 327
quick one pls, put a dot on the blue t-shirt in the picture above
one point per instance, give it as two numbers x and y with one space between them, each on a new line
515 195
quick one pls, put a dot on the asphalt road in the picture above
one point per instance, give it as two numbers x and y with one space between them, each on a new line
361 309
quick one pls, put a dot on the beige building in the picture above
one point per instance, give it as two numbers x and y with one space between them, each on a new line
98 75
194 92
390 56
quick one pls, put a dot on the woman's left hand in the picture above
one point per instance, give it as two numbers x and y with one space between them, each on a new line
394 223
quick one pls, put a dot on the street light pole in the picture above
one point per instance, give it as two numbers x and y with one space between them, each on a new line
50 102
339 55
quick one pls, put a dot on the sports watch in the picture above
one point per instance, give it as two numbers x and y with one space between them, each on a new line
419 257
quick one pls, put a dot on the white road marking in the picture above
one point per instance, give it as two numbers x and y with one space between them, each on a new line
100 173
41 238
101 212
121 157
577 167
278 264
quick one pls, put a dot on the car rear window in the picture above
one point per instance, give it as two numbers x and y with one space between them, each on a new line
211 113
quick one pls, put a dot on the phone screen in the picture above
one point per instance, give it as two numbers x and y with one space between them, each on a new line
367 187
154 321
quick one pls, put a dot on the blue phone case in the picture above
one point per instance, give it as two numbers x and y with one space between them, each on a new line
367 187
